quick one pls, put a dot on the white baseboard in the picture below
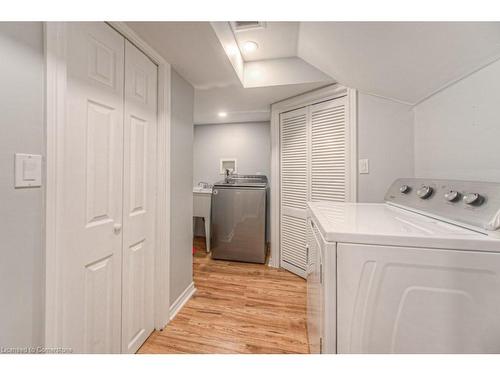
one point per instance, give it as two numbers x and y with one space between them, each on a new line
181 300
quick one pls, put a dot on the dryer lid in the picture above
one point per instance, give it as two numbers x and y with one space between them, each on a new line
384 224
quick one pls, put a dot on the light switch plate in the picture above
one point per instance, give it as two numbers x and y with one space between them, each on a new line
363 166
28 170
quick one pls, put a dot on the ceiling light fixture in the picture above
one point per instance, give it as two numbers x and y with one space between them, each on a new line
222 114
250 46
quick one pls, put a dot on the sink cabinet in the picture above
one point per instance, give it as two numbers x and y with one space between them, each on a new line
202 206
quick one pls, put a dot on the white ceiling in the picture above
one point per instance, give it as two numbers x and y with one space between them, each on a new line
243 104
193 50
407 61
275 40
403 61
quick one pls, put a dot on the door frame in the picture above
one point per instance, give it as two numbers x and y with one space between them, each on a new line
320 95
55 35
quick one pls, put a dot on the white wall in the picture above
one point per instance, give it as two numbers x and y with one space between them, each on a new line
181 179
250 143
385 138
457 131
452 135
22 127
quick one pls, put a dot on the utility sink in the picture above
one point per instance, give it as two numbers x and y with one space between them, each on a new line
202 206
199 189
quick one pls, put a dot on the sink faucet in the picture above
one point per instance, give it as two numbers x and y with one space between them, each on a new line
227 173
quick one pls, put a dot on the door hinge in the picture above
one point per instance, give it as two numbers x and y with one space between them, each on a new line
321 345
307 254
321 273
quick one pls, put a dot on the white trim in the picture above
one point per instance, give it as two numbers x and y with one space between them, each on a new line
352 100
55 96
274 182
311 97
306 99
182 300
163 163
140 43
386 98
55 57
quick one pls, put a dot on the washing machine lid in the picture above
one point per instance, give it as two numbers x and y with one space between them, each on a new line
385 224
239 181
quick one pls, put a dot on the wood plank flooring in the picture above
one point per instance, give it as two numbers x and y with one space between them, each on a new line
238 308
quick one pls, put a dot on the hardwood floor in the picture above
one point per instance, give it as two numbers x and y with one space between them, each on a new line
238 308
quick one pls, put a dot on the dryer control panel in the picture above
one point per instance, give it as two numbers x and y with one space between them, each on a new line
470 203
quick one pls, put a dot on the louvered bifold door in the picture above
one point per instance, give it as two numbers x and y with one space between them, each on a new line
294 189
328 158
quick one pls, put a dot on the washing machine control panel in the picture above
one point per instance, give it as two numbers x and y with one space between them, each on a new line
473 203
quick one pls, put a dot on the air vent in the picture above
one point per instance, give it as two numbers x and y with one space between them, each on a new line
247 25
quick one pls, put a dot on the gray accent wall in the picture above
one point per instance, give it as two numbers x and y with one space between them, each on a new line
385 138
249 143
22 131
181 178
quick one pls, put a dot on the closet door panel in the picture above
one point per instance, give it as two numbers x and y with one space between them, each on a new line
138 197
314 166
91 194
329 142
294 189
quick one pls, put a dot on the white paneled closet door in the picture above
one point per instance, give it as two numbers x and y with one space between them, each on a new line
107 220
294 181
91 212
314 166
138 198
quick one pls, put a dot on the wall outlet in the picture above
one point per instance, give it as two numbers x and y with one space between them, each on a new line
363 166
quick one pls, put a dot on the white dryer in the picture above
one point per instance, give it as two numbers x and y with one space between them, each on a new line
419 273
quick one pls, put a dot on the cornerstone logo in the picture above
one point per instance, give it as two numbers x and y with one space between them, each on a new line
34 350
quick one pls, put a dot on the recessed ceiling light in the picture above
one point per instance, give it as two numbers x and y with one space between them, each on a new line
222 114
250 46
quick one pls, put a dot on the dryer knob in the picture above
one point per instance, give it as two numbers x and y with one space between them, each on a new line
404 189
424 192
472 198
452 195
